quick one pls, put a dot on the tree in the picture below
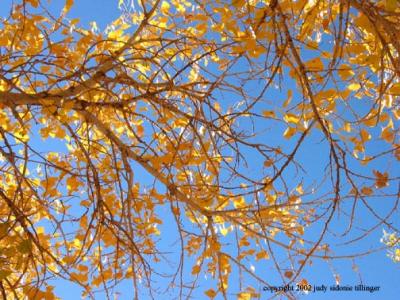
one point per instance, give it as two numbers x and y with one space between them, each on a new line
190 122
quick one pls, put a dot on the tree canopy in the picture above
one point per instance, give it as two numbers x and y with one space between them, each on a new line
222 131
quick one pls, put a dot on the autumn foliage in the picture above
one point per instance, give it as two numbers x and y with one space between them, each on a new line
188 123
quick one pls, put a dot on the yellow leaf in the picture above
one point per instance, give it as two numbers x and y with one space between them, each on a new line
303 282
238 3
21 136
288 99
49 182
40 230
387 135
140 130
244 242
4 274
196 270
300 230
288 274
315 64
291 118
44 132
289 132
299 189
217 107
80 277
45 69
60 133
381 180
34 3
239 202
269 114
367 191
347 127
224 231
165 6
201 28
3 85
49 295
73 184
96 281
181 122
391 5
370 120
244 296
76 243
211 293
268 163
354 86
51 109
395 89
4 40
83 221
68 5
262 255
25 246
365 136
396 113
4 229
74 21
345 72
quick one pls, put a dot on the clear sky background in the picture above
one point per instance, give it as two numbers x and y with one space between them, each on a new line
373 270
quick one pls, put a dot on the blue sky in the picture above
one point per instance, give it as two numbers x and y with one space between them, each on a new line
373 270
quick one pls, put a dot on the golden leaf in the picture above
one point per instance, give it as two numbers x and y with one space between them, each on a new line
291 118
395 89
288 99
315 64
269 114
4 274
381 180
165 6
68 5
365 135
268 163
196 269
211 293
288 274
289 132
345 72
34 3
244 296
387 135
354 86
262 255
366 191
